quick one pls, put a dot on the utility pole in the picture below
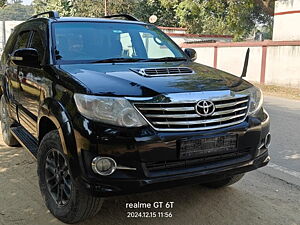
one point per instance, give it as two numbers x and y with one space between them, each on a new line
4 33
105 7
3 30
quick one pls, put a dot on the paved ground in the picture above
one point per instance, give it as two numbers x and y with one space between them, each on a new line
285 130
267 196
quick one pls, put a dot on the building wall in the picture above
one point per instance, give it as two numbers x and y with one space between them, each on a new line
175 30
8 26
186 38
286 20
284 66
270 62
178 40
232 60
205 56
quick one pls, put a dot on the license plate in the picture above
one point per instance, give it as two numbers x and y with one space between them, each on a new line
193 148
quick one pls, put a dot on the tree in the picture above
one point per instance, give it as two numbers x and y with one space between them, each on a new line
122 6
266 5
142 9
86 8
237 18
166 14
63 6
16 12
2 3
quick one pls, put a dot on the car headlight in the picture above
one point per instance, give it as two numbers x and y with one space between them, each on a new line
109 110
256 99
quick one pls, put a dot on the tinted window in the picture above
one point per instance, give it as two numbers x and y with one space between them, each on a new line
22 40
36 43
98 41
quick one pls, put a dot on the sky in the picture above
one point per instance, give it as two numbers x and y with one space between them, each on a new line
27 2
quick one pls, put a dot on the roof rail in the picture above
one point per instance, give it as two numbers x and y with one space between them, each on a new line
51 14
126 16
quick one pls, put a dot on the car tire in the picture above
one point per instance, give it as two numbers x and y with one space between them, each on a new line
6 123
65 201
224 182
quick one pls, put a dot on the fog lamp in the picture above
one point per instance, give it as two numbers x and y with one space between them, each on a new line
268 140
104 165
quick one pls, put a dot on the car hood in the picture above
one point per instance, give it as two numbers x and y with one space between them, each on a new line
119 80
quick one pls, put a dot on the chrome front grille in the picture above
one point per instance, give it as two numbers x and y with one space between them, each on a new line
183 116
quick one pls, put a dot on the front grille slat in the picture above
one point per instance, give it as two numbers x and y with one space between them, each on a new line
182 116
182 164
172 116
174 109
200 121
229 111
230 104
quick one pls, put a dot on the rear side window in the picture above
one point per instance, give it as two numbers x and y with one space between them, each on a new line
36 43
22 40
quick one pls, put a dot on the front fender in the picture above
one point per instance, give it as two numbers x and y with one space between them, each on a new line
54 111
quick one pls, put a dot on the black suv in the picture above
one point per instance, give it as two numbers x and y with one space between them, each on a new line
111 106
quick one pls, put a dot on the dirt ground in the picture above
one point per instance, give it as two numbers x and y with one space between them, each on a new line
280 91
257 199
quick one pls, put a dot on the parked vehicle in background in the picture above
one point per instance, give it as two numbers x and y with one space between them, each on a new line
113 107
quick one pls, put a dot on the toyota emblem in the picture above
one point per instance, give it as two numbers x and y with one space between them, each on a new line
205 108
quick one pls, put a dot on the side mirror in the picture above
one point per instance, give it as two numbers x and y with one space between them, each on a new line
25 57
191 53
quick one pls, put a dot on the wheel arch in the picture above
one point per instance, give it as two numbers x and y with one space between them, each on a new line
52 115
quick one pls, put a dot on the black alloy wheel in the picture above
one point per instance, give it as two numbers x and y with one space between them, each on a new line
63 195
58 177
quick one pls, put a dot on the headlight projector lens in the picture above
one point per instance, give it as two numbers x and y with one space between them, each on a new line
104 165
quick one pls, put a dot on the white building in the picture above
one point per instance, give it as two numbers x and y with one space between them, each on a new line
286 20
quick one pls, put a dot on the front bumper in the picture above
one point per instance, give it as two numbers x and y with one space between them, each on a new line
128 186
138 147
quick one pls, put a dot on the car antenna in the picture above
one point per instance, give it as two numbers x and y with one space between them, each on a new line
245 68
244 73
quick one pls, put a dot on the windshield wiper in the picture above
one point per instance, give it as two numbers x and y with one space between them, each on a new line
113 60
167 59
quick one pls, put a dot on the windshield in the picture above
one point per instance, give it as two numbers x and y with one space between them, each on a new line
104 41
